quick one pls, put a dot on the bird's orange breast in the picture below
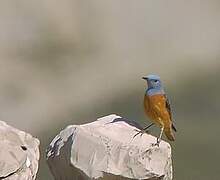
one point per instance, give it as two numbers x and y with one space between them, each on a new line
155 108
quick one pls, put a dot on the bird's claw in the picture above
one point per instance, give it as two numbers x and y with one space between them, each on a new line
157 143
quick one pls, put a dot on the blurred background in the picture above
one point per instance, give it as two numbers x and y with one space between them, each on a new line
72 61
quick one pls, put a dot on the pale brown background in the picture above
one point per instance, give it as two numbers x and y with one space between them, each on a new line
69 62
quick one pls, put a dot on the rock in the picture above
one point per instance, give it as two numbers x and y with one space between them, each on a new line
105 149
19 154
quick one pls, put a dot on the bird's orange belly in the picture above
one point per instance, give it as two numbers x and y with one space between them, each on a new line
155 109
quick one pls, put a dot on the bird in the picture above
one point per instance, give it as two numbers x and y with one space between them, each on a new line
157 108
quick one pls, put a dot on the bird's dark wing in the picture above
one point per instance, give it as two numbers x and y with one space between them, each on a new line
168 107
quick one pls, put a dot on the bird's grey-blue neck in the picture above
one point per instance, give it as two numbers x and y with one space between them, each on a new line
154 91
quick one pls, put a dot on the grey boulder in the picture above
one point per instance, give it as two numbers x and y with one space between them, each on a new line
19 154
106 149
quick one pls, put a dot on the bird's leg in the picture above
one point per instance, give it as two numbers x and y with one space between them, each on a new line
148 126
143 130
159 139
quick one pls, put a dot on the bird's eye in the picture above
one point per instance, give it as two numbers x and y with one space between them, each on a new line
155 80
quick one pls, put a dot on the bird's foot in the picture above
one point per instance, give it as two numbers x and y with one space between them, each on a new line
157 143
141 132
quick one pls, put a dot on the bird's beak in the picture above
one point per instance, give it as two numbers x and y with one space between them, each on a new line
145 78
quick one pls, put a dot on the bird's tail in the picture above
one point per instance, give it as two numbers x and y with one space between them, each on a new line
174 127
169 134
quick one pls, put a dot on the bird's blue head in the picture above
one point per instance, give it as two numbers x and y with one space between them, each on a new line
154 84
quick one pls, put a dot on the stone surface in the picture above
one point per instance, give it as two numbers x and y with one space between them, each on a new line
19 154
105 149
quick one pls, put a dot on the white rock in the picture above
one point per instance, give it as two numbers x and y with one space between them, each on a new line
19 154
106 150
